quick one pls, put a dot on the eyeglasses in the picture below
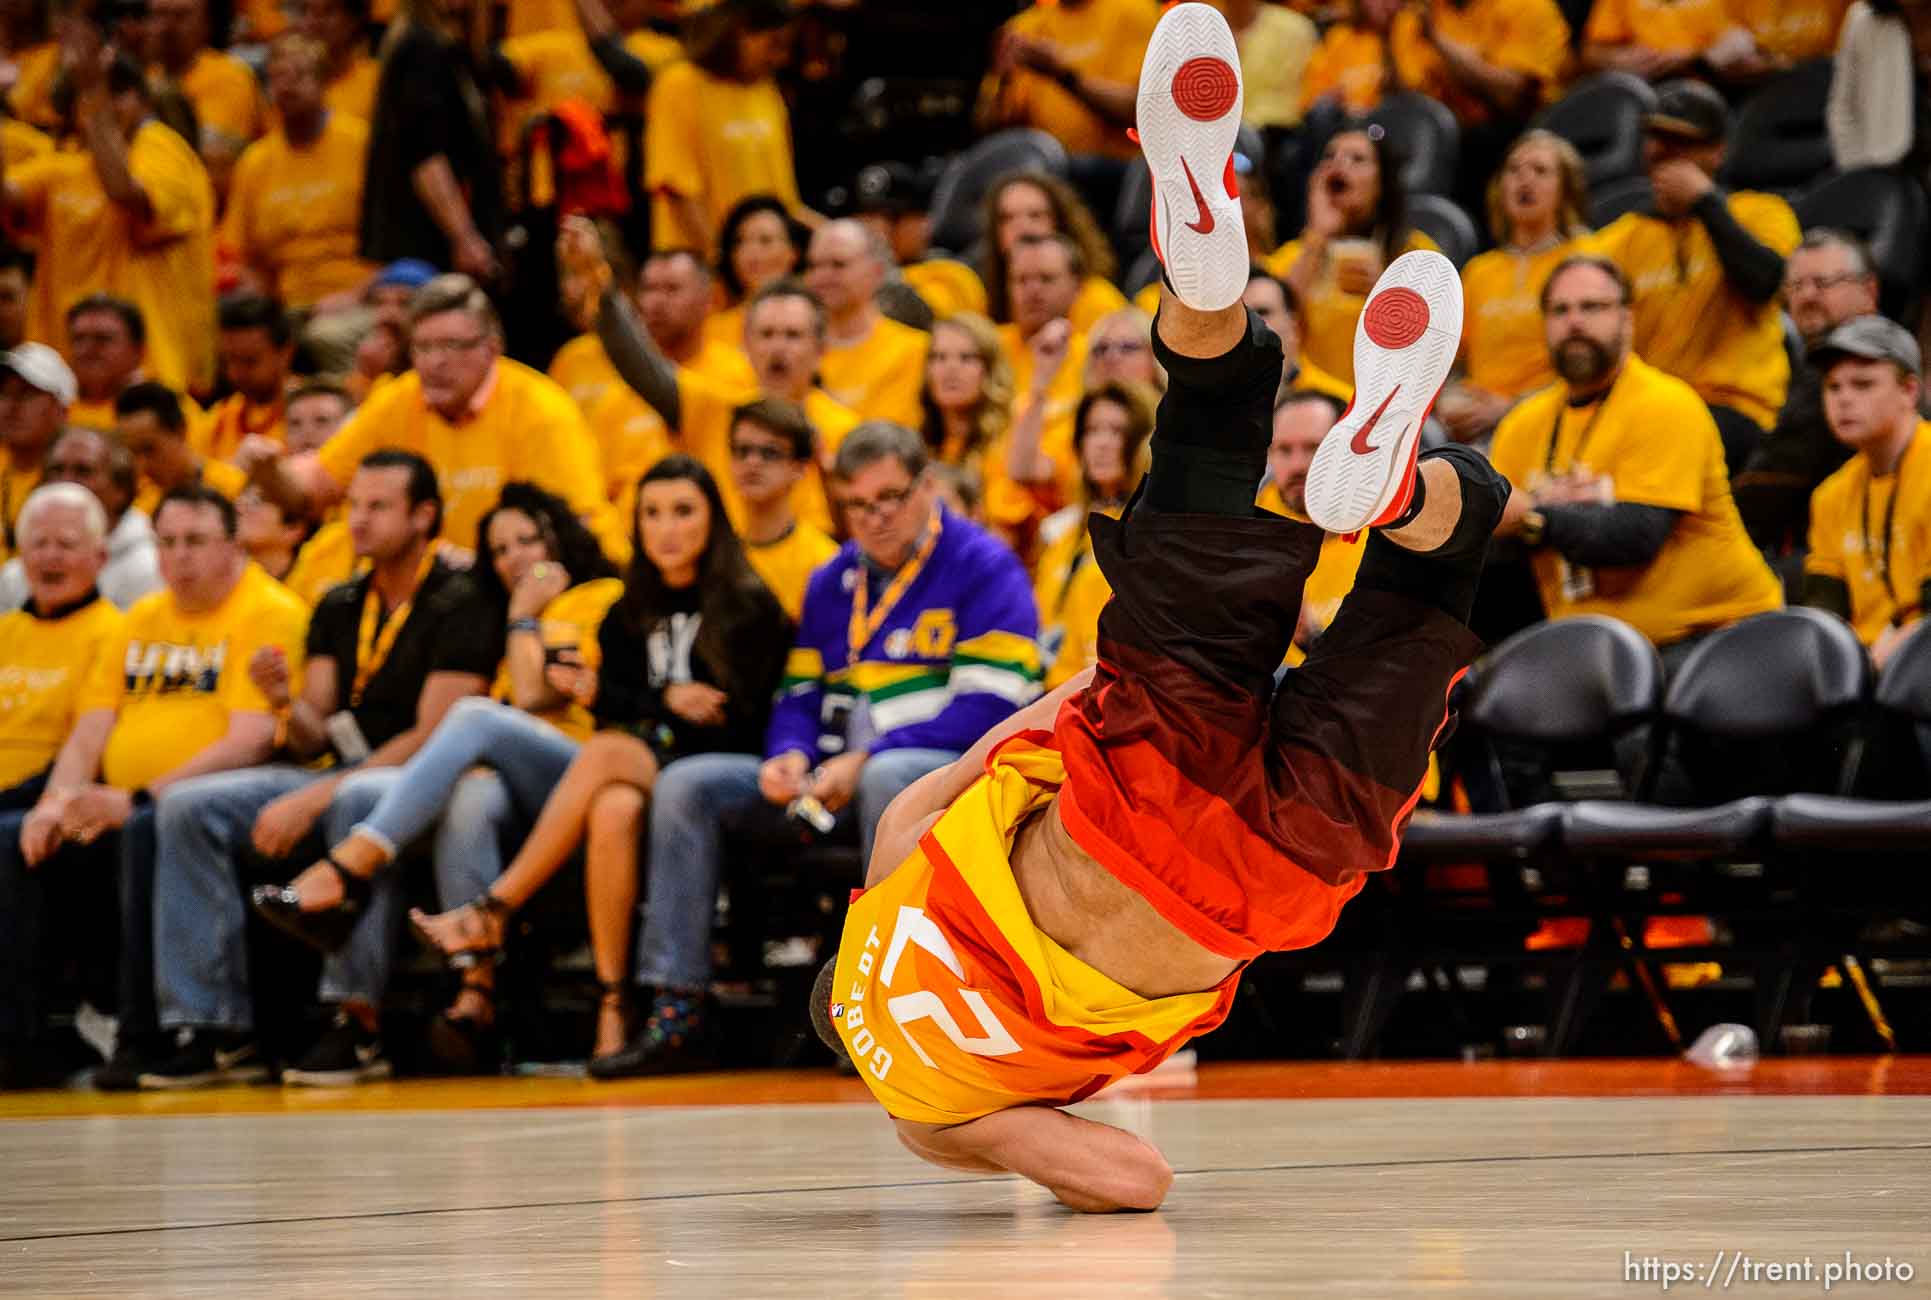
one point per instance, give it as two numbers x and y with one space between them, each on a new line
1819 283
1124 347
883 506
437 347
760 451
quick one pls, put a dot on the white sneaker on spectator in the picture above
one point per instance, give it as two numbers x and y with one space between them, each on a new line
1187 116
1363 473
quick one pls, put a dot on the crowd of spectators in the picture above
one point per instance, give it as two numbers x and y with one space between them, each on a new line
444 441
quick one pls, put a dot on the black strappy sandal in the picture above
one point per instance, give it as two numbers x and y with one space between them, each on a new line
324 929
490 954
464 1045
614 993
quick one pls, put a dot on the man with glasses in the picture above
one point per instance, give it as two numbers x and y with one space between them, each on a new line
479 418
1622 501
914 640
1830 279
771 442
1706 268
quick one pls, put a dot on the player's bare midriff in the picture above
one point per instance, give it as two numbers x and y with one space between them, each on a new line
1086 910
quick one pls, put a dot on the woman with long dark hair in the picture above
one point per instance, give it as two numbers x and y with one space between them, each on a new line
691 656
1357 223
760 243
550 578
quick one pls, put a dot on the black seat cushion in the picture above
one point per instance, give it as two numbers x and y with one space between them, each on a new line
1873 825
1439 836
1638 829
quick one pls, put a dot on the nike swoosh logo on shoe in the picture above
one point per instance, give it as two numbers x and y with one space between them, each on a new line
1359 445
1205 225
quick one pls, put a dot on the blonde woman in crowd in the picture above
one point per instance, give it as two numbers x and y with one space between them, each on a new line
1119 349
1038 203
1110 434
1535 208
968 395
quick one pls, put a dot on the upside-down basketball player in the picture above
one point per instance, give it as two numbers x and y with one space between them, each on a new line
1076 897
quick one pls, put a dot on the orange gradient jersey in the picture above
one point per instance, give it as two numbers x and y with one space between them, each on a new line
953 1005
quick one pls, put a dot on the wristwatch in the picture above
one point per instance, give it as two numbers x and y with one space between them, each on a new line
1534 525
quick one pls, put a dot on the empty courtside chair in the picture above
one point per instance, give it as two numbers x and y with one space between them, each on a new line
1443 221
1768 706
1889 806
1780 142
1613 198
963 185
1884 209
1603 118
1430 140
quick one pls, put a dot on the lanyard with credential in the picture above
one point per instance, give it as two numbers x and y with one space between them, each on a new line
372 647
1880 546
863 627
1582 439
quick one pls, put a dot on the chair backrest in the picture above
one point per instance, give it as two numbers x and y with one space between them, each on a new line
1603 118
1443 221
1768 705
963 184
1144 271
1428 138
1897 759
1884 209
1780 141
1612 200
1566 695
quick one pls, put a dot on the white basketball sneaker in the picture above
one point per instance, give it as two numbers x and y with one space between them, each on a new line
1363 474
1187 117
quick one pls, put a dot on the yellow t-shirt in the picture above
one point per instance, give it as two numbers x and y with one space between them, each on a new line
528 17
233 418
1007 504
528 428
217 474
1689 322
164 266
570 622
353 93
948 287
36 69
1310 378
1274 54
326 560
1097 300
726 328
16 485
228 103
44 665
1793 29
787 564
1525 36
295 214
716 142
583 368
174 678
21 143
881 376
706 405
631 438
1504 350
1672 26
1654 439
1103 39
1327 314
1873 534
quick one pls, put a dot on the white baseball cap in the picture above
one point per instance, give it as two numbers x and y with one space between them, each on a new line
42 367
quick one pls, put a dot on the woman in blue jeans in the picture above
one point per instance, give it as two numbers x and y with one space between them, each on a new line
549 575
690 659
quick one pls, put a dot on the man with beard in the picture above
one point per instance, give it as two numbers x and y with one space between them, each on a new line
1623 501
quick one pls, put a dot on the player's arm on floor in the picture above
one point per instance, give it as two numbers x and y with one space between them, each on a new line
1091 1167
919 804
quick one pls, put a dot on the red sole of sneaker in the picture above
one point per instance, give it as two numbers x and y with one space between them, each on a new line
1205 88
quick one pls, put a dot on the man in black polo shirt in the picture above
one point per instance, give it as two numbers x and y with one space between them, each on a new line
388 654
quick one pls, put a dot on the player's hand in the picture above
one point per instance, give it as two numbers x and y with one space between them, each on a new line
837 780
696 703
1678 183
279 827
268 670
782 779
